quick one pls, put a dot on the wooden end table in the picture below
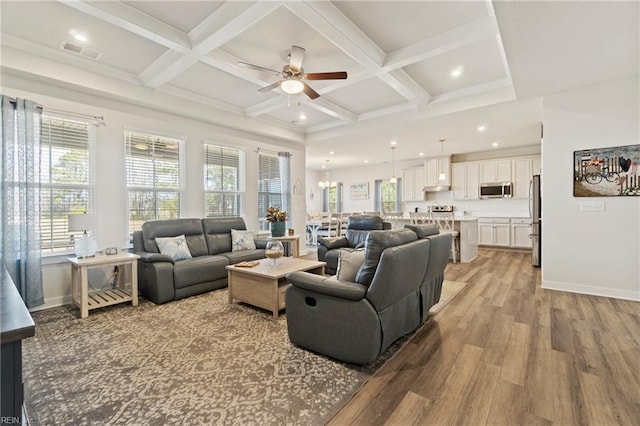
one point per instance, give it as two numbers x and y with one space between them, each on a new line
80 284
264 285
293 241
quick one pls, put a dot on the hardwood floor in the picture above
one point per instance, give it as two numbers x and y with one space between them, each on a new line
506 352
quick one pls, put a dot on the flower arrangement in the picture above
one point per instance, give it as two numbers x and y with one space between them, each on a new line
274 214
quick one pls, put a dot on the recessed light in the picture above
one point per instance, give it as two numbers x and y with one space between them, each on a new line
323 166
421 154
302 117
482 128
457 72
331 152
495 144
393 142
80 37
366 161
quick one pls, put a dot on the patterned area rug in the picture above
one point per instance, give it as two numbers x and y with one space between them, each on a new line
195 361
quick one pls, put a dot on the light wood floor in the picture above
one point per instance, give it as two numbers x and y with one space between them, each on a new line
506 352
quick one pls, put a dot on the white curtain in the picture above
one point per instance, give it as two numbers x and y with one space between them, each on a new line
20 197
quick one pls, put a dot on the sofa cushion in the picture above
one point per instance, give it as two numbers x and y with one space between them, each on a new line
242 240
423 231
243 255
217 232
377 242
190 228
199 270
349 262
175 247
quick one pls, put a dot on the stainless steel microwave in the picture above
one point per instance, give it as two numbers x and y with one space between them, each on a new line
496 190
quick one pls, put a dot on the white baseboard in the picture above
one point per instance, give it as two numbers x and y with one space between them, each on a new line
53 302
614 293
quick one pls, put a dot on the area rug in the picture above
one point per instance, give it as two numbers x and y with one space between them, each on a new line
194 361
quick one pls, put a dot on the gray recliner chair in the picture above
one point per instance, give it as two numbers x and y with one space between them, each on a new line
356 321
358 227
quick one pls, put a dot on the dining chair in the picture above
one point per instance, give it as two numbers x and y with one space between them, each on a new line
420 218
446 224
395 218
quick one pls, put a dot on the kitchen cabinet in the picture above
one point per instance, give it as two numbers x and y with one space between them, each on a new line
521 233
412 184
494 232
433 168
464 181
495 171
523 169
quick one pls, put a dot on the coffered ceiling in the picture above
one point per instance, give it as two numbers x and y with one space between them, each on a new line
182 57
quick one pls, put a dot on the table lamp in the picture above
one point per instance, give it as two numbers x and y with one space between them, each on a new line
87 245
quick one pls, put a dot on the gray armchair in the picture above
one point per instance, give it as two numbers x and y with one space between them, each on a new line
358 227
356 321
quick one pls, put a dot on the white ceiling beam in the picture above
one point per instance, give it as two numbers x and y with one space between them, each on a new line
400 81
128 18
264 107
442 43
325 18
333 110
501 83
224 24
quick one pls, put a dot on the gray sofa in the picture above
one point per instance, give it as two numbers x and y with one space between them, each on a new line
358 228
400 279
162 279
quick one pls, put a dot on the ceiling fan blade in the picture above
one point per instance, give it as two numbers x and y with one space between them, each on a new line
337 75
270 87
295 58
309 91
259 68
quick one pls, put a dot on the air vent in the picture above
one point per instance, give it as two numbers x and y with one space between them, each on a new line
82 51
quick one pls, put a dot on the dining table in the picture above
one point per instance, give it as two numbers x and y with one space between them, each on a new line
313 226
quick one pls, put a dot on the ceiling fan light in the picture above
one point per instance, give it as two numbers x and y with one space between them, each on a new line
292 87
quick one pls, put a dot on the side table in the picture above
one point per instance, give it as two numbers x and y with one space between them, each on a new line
293 241
80 284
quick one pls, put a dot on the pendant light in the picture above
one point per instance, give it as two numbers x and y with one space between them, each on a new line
393 165
442 176
326 183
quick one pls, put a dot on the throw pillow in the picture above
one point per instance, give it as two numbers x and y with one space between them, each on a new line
349 261
242 240
176 247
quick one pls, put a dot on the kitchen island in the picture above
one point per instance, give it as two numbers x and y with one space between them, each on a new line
467 226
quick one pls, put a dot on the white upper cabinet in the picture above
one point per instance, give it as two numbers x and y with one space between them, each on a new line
434 167
495 171
412 183
523 169
464 181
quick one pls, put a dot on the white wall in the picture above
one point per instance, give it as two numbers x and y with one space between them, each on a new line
594 253
110 191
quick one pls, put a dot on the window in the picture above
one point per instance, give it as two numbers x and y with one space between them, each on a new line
222 185
65 175
332 198
388 196
153 166
269 186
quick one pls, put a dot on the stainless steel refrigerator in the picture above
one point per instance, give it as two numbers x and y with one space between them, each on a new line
535 213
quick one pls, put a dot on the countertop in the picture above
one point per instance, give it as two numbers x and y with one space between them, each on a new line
15 320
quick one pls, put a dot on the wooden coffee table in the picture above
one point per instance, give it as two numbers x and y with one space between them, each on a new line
264 285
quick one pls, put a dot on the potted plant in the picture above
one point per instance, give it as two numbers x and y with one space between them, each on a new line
278 220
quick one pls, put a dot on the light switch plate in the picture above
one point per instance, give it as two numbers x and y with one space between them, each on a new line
591 206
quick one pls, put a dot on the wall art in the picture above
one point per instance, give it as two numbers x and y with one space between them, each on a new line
606 172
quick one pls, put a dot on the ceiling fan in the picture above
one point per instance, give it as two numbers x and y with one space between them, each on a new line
292 76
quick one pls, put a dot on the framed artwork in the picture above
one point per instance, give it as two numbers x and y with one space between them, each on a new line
359 191
606 172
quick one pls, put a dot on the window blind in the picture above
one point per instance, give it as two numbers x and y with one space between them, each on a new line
269 186
153 167
65 178
222 184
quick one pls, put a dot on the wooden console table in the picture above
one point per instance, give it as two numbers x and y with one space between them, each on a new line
80 284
